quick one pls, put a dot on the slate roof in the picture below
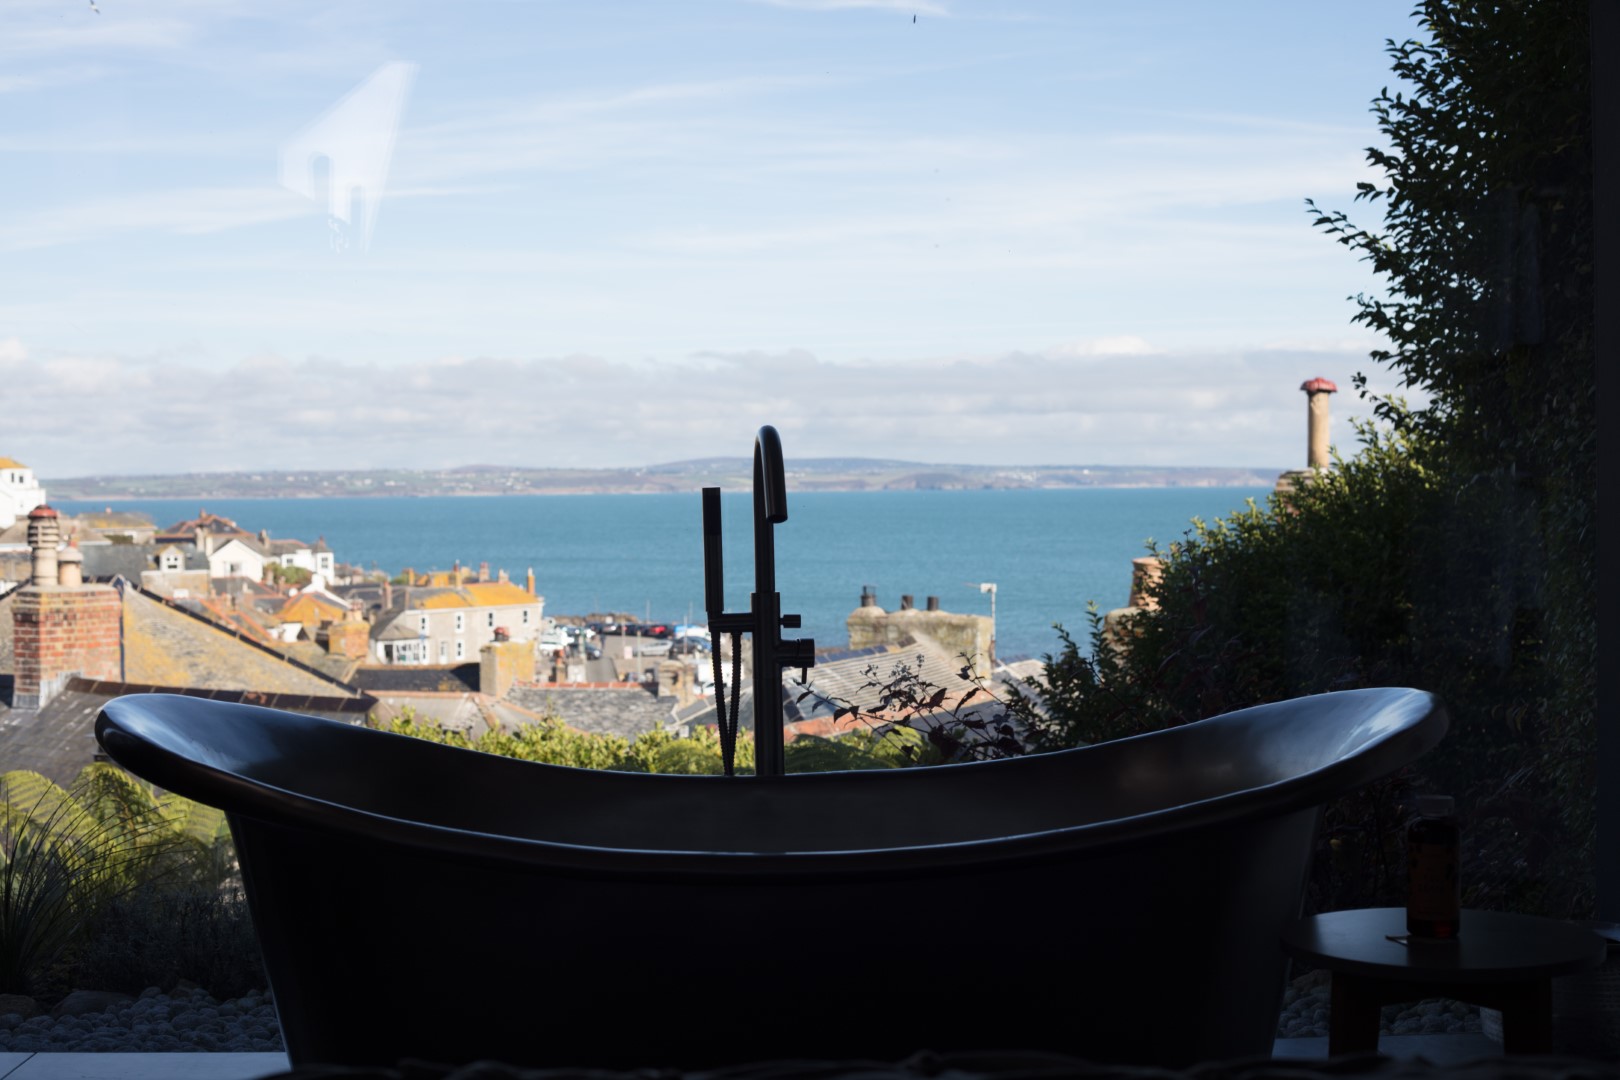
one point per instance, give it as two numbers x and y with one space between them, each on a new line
59 740
394 678
472 714
614 710
840 677
103 562
701 713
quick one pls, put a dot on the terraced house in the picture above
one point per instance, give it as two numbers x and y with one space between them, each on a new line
448 622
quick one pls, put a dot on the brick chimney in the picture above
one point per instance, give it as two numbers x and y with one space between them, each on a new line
59 629
350 636
529 585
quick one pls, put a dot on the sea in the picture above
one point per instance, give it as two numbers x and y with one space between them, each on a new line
1047 552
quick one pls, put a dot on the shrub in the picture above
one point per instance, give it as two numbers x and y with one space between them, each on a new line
66 857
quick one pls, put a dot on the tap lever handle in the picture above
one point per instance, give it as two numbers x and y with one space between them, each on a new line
714 575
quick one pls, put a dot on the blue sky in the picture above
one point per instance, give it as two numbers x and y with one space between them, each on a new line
621 233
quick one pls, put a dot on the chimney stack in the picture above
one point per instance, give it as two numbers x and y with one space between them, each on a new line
933 603
530 584
1316 393
483 572
868 596
59 626
906 602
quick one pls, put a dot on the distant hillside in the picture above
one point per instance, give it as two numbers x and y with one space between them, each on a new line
806 474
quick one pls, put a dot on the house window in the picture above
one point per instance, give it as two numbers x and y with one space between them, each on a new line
525 618
492 618
460 650
461 622
423 620
442 647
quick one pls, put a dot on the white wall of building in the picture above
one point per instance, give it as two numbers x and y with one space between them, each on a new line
19 493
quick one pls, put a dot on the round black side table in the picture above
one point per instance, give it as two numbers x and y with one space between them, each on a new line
1499 960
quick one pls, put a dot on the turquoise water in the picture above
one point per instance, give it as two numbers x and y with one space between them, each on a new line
1048 552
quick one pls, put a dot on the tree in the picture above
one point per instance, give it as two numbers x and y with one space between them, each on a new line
1455 551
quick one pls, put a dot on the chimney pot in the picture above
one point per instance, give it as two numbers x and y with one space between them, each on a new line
70 567
933 603
1316 394
44 533
906 602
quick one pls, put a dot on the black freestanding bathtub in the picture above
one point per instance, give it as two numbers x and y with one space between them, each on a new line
1119 902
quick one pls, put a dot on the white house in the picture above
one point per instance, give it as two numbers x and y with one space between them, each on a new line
316 558
19 491
237 557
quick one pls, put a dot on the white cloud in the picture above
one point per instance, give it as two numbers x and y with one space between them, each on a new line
75 415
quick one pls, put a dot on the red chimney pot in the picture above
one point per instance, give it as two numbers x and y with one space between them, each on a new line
1319 385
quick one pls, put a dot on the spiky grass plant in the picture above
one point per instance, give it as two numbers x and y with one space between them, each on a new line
64 857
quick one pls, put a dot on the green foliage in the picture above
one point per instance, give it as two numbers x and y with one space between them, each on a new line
159 936
276 574
1455 551
917 722
554 743
67 856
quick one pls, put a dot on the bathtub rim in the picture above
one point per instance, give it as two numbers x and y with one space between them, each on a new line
118 729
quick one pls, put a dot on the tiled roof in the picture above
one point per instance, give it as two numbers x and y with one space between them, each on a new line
11 463
311 609
627 711
480 594
115 519
168 646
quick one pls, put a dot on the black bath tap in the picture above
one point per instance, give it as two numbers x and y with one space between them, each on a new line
764 619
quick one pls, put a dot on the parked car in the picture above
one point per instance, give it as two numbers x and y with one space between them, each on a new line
653 647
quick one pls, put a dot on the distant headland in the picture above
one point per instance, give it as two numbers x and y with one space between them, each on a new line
805 474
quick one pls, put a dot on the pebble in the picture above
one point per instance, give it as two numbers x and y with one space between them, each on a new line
1305 1013
188 1019
184 1019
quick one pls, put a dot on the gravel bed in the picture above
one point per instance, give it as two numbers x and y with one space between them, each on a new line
1305 1013
188 1019
184 1019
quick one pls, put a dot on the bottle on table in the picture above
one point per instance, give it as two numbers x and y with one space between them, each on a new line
1434 884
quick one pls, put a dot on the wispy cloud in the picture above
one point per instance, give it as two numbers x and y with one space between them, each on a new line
185 211
918 7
